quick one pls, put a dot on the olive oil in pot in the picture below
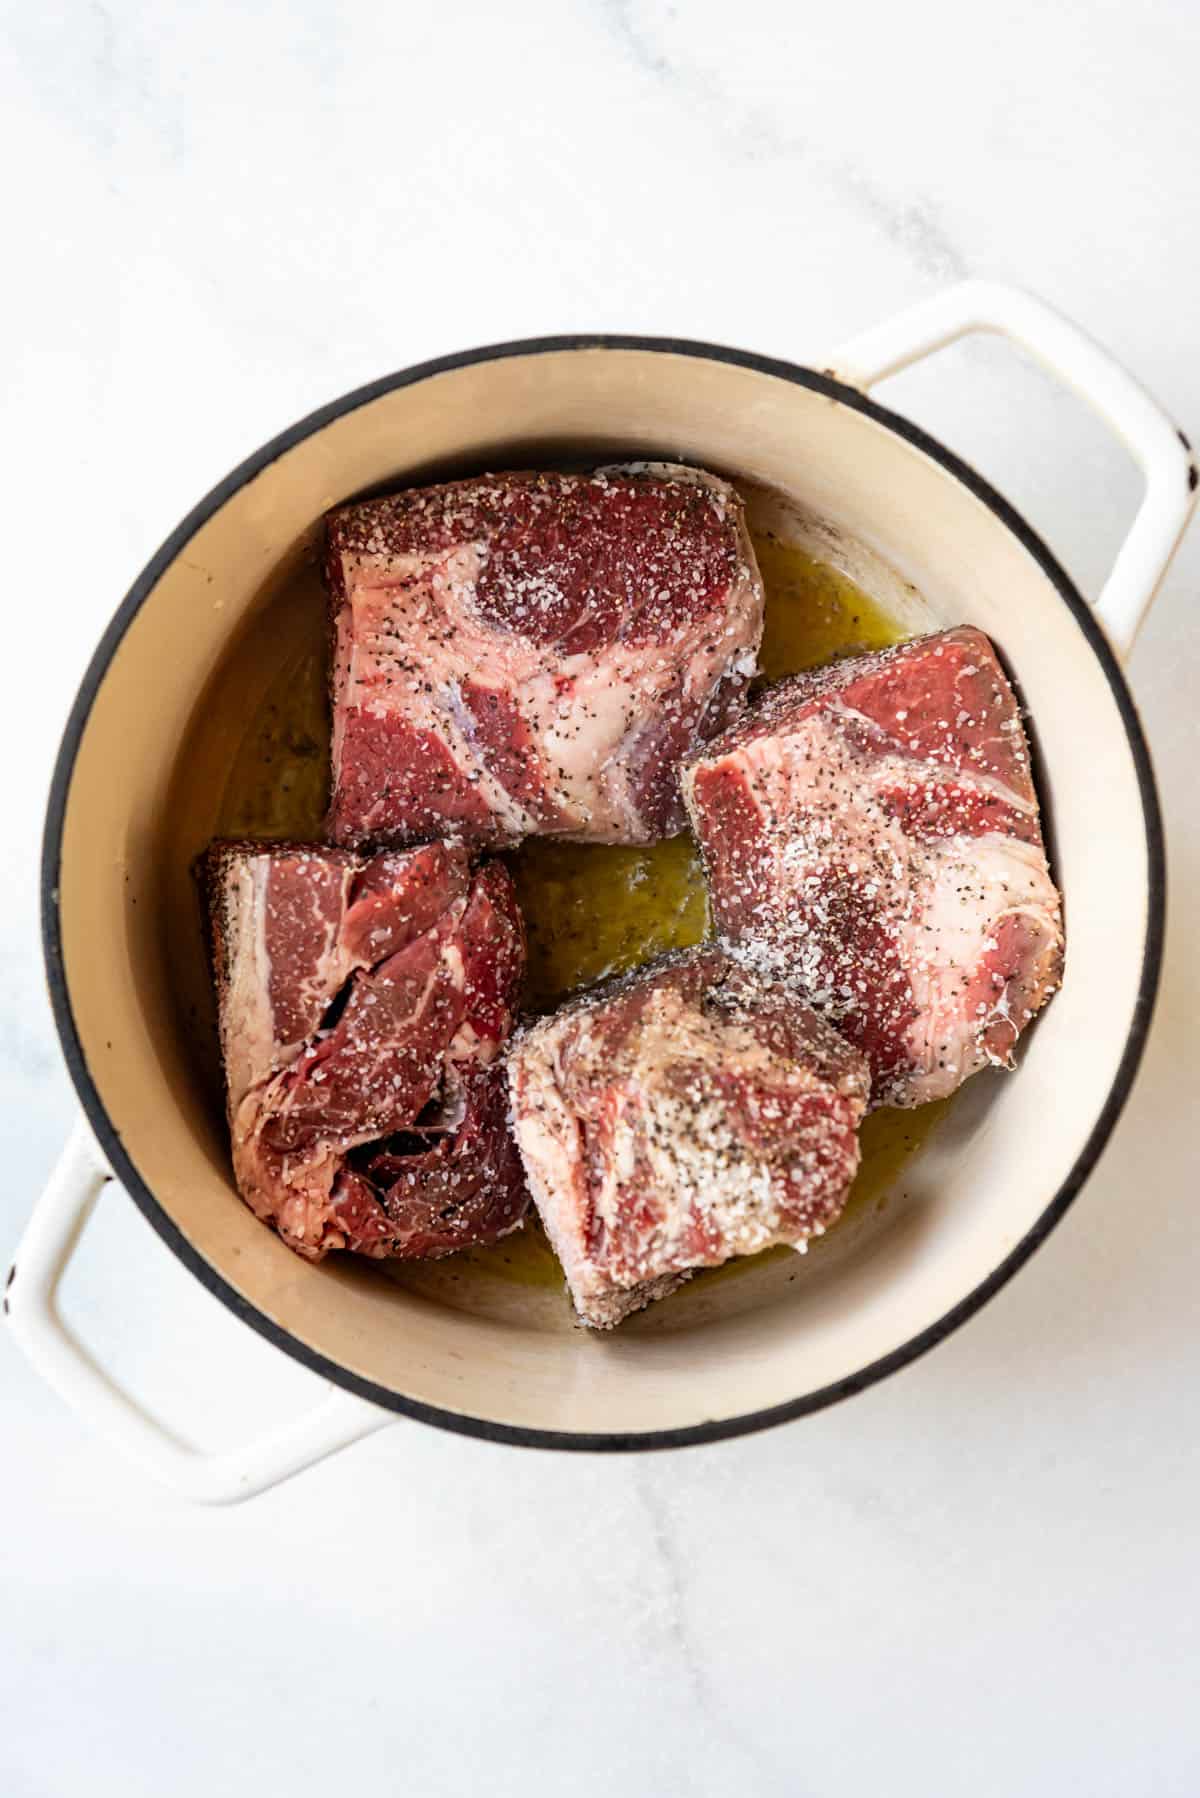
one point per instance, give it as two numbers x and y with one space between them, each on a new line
591 910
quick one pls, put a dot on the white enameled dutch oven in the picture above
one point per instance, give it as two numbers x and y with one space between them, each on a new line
135 795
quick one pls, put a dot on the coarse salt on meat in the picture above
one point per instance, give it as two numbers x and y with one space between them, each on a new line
870 831
685 1114
534 653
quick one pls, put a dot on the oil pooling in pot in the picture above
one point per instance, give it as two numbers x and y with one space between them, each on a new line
591 910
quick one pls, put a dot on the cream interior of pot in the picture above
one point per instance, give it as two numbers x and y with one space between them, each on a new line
145 797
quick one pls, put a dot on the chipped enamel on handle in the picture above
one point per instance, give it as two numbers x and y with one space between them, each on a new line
1161 451
31 1304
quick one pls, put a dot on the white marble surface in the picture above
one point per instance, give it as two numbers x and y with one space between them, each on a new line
980 1577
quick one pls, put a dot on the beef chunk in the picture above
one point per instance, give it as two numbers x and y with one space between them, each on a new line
687 1113
363 1003
534 653
870 832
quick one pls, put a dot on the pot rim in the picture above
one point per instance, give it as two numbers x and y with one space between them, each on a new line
463 1423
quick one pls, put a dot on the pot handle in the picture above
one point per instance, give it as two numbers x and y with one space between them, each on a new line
30 1304
1160 449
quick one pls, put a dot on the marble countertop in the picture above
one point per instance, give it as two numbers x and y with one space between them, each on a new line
978 1577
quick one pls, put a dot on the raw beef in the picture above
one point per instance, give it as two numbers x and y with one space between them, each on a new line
363 1004
687 1113
870 831
535 653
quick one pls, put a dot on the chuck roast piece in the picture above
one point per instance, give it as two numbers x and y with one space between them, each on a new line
535 653
687 1113
870 832
363 1003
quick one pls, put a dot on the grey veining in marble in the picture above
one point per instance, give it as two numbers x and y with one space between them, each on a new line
978 1577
